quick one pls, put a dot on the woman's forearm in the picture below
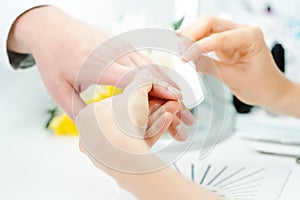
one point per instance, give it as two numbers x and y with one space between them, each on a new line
281 95
163 184
288 101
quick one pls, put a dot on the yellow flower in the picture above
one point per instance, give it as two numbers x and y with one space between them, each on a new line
103 93
63 125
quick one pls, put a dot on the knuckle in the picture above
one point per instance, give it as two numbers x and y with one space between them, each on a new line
209 20
256 32
207 17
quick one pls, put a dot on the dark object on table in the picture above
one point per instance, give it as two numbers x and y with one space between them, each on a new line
278 56
240 106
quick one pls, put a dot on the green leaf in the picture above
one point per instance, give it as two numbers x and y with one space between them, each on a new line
177 24
52 112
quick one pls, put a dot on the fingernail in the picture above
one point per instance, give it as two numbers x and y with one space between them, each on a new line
181 133
174 91
154 108
186 56
187 117
181 48
192 52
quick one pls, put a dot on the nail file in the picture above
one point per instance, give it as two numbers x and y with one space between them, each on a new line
187 79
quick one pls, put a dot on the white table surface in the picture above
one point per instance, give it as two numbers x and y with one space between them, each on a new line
35 165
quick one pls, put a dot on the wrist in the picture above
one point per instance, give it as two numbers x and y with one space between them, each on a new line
288 103
140 184
49 27
31 27
163 184
280 93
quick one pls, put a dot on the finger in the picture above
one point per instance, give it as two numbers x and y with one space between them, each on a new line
163 92
147 59
115 74
156 101
159 127
126 61
170 106
207 25
66 97
139 59
176 130
186 116
163 86
183 113
172 128
153 108
239 41
203 27
218 69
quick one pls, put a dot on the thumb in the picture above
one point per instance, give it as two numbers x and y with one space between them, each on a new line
141 85
136 93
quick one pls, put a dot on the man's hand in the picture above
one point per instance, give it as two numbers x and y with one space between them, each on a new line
61 45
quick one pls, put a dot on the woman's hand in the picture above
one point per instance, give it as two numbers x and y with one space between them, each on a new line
117 126
118 144
244 62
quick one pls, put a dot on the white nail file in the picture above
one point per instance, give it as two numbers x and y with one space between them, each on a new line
187 79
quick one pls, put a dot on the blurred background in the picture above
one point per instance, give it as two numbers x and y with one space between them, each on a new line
24 101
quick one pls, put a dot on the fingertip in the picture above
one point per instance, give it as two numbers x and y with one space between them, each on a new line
187 117
163 92
165 120
159 127
192 52
181 134
168 118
